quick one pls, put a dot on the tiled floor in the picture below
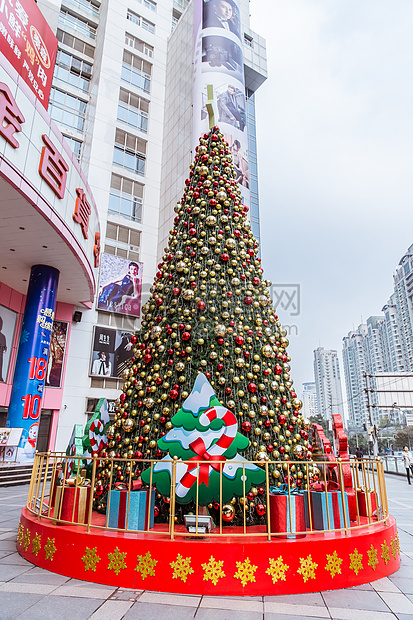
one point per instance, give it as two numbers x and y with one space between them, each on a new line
31 593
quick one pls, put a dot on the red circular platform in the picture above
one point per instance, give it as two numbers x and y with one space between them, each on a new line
232 566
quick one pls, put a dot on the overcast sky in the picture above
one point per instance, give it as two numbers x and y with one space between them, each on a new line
335 155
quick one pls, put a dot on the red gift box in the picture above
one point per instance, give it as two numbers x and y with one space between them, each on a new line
282 519
352 504
367 503
72 503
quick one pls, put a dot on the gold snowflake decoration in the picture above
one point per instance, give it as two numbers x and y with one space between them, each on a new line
385 552
393 548
117 561
213 570
373 560
277 569
91 558
146 565
36 544
26 542
245 572
333 565
356 561
20 534
181 568
50 549
307 568
397 543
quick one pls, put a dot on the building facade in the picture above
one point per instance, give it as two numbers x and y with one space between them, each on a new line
122 96
328 383
309 398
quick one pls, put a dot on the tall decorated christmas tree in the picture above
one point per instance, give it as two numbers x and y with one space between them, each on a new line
209 312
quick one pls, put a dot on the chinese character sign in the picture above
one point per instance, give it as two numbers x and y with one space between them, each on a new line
29 44
33 352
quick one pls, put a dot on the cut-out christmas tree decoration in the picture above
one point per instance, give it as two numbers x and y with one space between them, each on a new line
209 312
205 435
94 438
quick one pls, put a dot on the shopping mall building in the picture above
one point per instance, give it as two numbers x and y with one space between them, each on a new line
99 128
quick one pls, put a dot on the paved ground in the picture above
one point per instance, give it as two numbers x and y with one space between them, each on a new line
31 593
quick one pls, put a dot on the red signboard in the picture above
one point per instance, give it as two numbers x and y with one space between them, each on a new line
27 41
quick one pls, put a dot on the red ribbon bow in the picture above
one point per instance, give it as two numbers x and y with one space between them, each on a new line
198 446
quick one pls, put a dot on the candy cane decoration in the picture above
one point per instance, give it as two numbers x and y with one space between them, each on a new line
206 456
95 435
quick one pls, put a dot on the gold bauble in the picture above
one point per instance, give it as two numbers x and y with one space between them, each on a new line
128 425
188 294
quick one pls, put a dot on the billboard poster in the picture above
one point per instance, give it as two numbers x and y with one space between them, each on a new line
31 363
120 285
218 60
29 44
7 326
111 353
56 354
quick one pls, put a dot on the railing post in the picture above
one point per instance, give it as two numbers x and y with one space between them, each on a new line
44 485
32 480
92 485
342 491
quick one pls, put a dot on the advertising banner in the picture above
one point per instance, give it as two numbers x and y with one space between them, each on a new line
31 364
218 60
7 327
111 354
56 354
29 44
120 285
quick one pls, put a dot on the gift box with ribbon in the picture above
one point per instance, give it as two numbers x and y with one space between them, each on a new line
287 512
367 503
56 475
128 510
324 509
72 501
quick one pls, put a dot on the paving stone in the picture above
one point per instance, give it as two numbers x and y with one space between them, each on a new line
61 608
220 614
230 603
13 604
398 603
296 609
10 572
354 599
151 611
111 610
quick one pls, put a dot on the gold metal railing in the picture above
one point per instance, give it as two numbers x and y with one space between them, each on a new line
45 500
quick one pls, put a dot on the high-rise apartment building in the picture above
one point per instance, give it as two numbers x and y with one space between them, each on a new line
328 383
122 96
309 398
403 289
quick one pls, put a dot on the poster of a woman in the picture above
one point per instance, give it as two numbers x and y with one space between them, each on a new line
120 285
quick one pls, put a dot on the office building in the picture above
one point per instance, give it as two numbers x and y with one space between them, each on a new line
309 399
328 383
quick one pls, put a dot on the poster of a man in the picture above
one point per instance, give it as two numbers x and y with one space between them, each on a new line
121 285
221 14
7 326
239 160
223 55
231 107
123 352
56 354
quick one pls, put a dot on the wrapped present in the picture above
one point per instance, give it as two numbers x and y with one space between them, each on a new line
367 503
128 510
72 502
287 512
352 503
326 509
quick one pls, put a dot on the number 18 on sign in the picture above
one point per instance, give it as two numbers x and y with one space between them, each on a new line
32 357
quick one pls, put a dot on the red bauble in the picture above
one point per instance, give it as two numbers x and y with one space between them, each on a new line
138 455
252 387
260 509
250 496
247 300
186 336
181 326
201 305
134 340
281 449
267 423
282 419
173 394
255 281
213 202
278 370
220 366
122 397
220 341
156 511
239 340
228 391
158 454
270 447
246 426
147 358
225 257
176 291
192 232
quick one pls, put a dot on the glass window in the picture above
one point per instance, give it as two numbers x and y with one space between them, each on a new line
75 145
71 70
126 199
76 44
67 110
133 110
139 45
136 72
129 152
82 26
140 21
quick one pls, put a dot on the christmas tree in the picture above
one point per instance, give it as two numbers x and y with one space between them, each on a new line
210 312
